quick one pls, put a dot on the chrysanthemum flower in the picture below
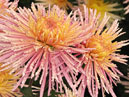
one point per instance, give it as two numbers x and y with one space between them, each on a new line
7 82
65 4
100 70
41 42
5 4
126 8
102 7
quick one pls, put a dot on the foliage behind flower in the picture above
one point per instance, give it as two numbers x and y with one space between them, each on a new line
7 83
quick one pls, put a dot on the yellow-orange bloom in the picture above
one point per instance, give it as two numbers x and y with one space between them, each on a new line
65 4
7 82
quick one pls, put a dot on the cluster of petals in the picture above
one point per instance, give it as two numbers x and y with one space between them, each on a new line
5 4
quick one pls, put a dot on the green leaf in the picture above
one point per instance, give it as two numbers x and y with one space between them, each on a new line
52 94
27 92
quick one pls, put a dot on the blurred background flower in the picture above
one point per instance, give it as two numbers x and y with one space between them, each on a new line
7 83
64 4
103 6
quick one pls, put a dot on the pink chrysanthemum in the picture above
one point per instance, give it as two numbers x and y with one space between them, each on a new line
41 42
126 8
100 71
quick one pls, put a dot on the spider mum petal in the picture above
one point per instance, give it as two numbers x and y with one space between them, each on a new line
5 4
126 8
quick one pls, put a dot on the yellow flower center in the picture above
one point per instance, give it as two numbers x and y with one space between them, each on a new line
45 30
102 45
52 30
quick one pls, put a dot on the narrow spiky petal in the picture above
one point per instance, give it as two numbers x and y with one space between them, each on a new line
125 81
126 8
5 4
